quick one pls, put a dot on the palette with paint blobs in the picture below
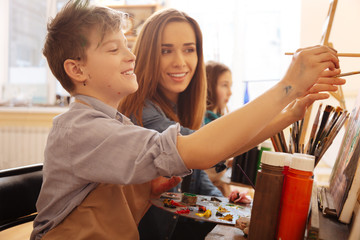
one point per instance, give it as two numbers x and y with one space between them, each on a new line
207 208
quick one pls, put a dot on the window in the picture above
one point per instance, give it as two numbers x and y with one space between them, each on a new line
250 37
26 78
27 67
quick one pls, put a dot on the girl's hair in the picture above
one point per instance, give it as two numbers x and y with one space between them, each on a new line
191 103
213 71
67 36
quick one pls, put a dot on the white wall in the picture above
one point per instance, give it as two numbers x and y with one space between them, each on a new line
344 34
345 37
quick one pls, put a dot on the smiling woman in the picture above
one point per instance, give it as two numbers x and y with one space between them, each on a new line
178 59
169 92
176 54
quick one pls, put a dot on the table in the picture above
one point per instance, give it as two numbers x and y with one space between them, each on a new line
222 232
236 210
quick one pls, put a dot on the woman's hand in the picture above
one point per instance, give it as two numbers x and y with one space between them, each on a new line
308 64
237 197
160 185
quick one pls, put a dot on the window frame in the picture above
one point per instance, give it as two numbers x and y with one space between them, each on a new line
50 82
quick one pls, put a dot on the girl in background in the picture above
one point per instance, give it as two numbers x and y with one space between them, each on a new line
219 83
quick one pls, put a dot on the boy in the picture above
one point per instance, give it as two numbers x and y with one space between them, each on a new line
71 192
98 166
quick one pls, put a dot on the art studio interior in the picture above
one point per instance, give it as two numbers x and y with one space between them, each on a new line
304 177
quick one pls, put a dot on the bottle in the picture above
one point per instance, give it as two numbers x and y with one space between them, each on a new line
287 162
264 146
296 198
268 189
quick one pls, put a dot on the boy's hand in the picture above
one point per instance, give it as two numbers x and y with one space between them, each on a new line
160 185
308 64
324 84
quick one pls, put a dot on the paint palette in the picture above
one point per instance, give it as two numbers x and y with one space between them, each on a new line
215 204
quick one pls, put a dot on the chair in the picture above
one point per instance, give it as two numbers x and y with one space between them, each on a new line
19 190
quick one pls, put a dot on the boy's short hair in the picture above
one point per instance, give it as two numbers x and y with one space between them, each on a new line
68 32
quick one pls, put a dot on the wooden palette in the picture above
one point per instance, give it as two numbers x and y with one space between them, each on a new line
236 210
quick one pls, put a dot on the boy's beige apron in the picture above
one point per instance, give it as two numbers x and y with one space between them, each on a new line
109 212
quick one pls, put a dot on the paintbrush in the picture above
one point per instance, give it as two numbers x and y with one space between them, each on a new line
328 140
347 74
329 124
313 130
338 54
335 129
276 147
324 120
278 142
246 176
295 133
299 135
290 142
332 122
282 141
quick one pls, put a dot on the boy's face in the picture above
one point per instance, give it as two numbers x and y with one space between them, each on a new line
109 68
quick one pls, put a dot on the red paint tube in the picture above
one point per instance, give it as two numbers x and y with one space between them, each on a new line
296 198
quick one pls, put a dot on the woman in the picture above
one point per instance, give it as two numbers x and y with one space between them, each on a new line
172 88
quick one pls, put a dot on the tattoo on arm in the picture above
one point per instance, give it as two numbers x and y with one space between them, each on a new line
288 89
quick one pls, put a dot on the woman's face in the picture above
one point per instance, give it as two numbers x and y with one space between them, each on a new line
223 90
178 58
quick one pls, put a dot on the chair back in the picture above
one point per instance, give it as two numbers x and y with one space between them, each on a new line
19 190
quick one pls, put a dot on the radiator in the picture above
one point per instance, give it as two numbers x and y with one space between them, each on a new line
22 145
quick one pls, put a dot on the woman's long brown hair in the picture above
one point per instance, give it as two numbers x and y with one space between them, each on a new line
191 103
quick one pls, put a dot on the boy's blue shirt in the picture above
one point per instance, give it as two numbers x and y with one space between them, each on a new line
93 143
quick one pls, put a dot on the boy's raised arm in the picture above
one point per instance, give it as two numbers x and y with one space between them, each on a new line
229 134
